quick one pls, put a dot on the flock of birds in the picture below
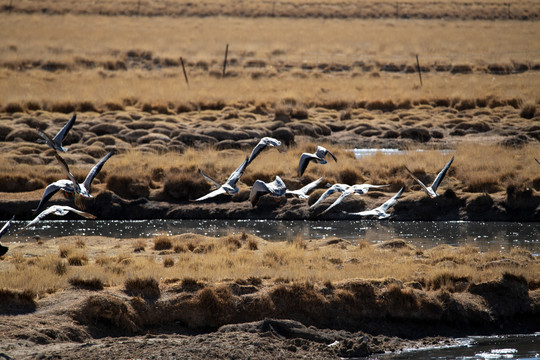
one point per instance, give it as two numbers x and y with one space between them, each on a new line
277 188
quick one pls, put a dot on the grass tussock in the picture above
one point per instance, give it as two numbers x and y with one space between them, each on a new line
163 242
147 287
87 284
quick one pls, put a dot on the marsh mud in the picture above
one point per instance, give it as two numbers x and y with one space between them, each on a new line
261 319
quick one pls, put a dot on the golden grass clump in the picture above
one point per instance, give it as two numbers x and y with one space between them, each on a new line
168 261
163 242
88 284
77 258
147 287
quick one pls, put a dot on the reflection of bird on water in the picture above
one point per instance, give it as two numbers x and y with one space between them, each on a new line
71 187
230 185
318 157
359 189
56 142
302 192
432 190
57 210
381 211
334 188
275 188
4 249
265 141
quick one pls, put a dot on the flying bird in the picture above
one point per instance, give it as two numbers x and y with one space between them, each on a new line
230 185
56 142
359 189
275 188
381 211
317 157
334 188
432 190
4 249
72 186
57 210
265 141
302 192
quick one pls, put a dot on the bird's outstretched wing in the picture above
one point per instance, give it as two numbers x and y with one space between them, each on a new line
96 169
265 141
302 192
236 174
258 189
322 151
63 132
47 139
6 226
212 194
441 175
58 210
216 184
333 189
65 167
50 190
305 158
392 201
418 180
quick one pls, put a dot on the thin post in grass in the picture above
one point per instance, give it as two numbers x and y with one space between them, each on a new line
508 11
184 70
10 5
225 61
138 6
419 71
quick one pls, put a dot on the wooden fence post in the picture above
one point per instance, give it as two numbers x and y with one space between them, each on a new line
419 71
225 61
184 70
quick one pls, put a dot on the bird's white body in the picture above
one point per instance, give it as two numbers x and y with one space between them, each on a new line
275 188
317 156
57 210
302 192
381 211
359 189
230 185
334 188
72 186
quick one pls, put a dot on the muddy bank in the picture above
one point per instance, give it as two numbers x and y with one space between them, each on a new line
521 206
246 318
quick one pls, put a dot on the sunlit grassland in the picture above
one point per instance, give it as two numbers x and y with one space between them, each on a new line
49 266
258 51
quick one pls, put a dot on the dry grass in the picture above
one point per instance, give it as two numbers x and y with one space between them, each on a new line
442 267
334 67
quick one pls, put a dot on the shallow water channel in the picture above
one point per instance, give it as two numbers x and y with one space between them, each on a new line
526 346
424 234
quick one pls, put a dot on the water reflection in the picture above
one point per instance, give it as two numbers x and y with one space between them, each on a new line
485 235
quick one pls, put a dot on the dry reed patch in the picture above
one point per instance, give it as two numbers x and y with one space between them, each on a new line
144 287
163 242
14 301
88 284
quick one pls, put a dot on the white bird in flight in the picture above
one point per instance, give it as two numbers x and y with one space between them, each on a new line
334 188
381 211
4 249
275 188
359 189
72 186
230 185
57 210
56 142
302 192
265 141
432 190
318 157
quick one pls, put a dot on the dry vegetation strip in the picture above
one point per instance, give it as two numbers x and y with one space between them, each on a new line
479 9
192 259
74 58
